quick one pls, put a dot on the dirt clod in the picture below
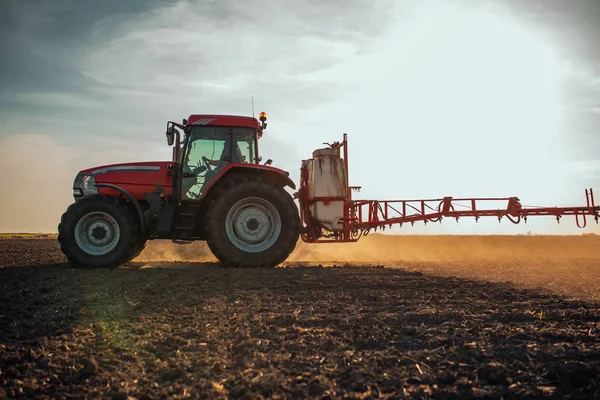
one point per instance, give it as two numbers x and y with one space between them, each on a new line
90 368
492 373
117 395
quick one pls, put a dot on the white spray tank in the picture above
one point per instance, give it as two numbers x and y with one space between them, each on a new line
327 179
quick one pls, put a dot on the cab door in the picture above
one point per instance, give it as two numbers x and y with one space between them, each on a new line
201 163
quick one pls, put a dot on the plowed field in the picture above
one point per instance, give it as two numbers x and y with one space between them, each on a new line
418 317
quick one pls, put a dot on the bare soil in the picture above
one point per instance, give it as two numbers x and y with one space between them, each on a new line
192 329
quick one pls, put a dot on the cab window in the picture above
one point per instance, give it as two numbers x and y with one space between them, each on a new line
209 151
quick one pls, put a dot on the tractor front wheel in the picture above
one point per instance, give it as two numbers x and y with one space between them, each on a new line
99 232
252 222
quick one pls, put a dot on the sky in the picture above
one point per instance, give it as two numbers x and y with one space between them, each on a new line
439 98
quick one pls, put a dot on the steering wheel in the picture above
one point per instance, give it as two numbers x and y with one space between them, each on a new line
206 163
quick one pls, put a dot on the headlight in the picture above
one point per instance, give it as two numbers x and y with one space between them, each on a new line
84 185
85 181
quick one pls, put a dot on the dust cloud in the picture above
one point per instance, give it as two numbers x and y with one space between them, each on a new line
388 249
167 251
391 249
568 265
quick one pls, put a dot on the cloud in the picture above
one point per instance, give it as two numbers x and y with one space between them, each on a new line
216 55
439 98
58 100
573 27
574 31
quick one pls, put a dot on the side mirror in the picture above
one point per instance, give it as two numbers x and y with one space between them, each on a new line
171 135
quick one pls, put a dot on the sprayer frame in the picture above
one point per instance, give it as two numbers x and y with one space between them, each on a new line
381 213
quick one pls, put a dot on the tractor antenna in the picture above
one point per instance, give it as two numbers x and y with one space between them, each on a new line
252 106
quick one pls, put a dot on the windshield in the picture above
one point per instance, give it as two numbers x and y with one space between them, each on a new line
213 142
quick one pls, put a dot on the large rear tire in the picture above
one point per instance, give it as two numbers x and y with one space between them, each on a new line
252 222
99 232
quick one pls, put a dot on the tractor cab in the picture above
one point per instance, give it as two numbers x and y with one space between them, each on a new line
210 145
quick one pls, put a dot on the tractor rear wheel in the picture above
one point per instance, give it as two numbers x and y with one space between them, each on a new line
99 232
252 222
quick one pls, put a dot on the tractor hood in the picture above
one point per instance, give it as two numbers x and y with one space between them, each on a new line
135 178
145 171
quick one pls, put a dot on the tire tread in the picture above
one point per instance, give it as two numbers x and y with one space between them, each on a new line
122 254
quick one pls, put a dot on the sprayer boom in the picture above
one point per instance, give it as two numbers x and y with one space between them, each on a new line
329 214
379 213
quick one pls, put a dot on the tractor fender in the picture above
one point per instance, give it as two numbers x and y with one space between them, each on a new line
274 174
133 200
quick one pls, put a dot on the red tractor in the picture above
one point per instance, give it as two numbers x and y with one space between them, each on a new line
215 189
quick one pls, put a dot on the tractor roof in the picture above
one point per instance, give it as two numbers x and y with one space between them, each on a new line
223 120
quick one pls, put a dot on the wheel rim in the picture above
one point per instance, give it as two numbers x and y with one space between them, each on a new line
253 224
97 233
